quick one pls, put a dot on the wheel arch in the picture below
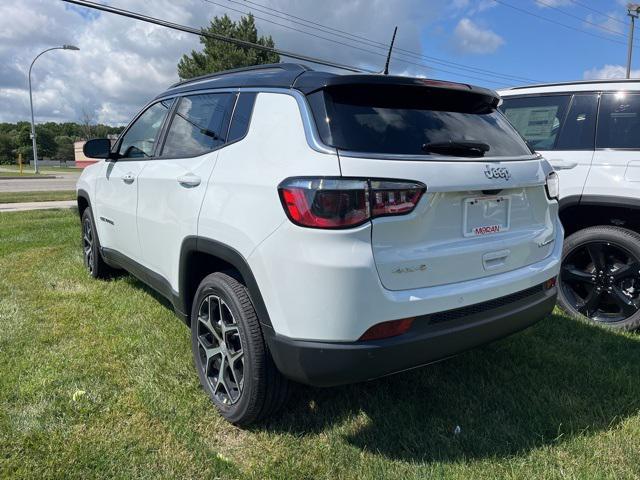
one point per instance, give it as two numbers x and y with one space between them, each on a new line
579 212
83 201
201 256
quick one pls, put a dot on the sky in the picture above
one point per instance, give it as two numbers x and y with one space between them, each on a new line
123 63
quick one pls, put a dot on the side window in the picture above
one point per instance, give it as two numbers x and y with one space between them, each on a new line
619 121
241 116
199 125
579 129
140 139
538 119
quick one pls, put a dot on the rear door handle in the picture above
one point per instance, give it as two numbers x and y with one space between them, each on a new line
189 180
128 178
559 164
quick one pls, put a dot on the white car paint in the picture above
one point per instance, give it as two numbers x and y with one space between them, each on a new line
329 285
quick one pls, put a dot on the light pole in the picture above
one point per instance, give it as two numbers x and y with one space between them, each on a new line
633 10
33 123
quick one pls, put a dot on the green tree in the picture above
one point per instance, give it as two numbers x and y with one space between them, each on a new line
7 148
64 148
217 55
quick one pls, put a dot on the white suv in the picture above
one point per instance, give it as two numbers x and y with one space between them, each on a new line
322 228
590 133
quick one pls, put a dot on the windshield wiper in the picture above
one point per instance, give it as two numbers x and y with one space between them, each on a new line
457 148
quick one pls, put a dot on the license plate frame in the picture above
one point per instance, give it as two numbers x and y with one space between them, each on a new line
486 215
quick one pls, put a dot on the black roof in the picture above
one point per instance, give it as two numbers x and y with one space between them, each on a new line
301 77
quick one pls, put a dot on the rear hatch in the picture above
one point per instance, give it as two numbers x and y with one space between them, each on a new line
485 210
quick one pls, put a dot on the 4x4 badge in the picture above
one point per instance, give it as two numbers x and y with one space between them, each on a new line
497 172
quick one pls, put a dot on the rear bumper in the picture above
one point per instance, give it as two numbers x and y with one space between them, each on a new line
432 338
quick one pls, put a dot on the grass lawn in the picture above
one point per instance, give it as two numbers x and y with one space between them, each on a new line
28 169
47 196
96 381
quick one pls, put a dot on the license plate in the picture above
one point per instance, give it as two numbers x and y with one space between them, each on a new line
486 215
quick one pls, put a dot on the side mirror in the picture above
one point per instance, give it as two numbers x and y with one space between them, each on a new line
97 148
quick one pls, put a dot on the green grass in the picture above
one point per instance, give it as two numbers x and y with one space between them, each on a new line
28 169
96 381
46 196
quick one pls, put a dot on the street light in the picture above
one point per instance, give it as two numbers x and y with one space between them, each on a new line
633 10
33 123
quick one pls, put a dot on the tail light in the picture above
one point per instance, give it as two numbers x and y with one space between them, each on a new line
346 202
553 186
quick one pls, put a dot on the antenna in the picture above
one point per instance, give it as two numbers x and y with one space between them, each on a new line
393 39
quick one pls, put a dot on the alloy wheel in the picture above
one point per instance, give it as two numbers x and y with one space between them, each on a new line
601 281
87 243
220 349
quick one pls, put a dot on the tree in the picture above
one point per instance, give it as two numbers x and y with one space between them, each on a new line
217 55
64 150
7 148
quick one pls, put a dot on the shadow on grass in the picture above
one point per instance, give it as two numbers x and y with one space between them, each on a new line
556 380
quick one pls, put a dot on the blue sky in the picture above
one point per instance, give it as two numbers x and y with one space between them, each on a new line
123 63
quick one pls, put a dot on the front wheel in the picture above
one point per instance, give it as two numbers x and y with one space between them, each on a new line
600 276
232 360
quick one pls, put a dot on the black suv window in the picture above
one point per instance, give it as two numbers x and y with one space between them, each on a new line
391 119
538 119
140 139
579 128
619 121
199 125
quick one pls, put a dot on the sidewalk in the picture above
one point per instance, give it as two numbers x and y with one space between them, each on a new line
23 207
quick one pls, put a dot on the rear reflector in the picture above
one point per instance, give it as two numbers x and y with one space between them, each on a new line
346 202
389 329
549 284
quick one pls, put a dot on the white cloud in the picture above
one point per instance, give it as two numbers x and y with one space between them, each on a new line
469 37
609 72
123 63
553 3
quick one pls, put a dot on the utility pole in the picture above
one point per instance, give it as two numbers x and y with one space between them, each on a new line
633 10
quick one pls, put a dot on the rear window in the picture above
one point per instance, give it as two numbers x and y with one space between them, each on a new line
403 120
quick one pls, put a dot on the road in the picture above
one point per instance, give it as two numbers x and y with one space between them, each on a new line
63 181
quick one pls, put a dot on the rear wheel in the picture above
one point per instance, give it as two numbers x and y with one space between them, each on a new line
600 276
233 363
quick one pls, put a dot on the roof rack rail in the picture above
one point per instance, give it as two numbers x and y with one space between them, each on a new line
577 82
292 67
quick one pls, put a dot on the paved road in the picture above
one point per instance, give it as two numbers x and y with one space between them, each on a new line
63 181
23 207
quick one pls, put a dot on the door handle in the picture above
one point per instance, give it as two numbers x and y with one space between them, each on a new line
189 180
559 164
128 178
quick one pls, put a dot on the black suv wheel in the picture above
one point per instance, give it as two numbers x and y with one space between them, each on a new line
93 261
230 355
600 276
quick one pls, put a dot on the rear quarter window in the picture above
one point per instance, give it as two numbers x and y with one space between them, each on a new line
402 120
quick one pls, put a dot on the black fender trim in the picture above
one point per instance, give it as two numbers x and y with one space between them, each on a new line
154 280
570 201
228 254
610 201
85 195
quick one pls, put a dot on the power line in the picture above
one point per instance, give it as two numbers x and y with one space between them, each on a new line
569 14
598 12
356 47
550 20
376 44
214 36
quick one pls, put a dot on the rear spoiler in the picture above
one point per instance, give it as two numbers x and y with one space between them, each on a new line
312 81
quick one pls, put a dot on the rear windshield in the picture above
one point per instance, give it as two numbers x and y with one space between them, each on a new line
406 120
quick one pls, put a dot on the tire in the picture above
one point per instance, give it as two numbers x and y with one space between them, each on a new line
93 261
600 277
250 388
